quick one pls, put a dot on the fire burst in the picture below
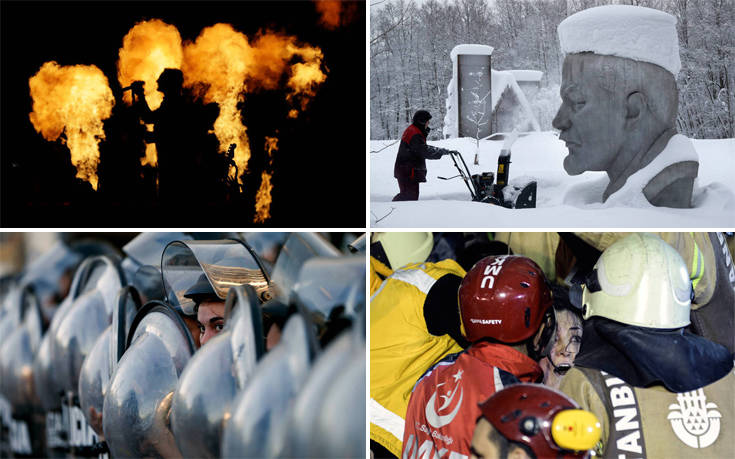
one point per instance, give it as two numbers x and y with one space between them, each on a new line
73 100
223 65
148 48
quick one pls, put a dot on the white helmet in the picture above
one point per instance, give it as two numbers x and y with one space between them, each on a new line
639 280
402 248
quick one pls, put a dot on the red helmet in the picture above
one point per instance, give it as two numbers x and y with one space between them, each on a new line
504 298
545 420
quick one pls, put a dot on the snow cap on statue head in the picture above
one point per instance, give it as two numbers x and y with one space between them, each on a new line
634 32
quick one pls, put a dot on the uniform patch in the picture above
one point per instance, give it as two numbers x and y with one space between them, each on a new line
436 420
694 421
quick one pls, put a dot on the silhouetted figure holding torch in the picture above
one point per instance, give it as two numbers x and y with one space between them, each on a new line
177 134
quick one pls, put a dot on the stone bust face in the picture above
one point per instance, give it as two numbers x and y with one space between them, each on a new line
592 120
617 116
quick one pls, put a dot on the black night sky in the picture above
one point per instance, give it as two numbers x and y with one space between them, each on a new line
319 169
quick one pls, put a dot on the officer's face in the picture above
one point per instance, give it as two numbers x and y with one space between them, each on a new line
210 316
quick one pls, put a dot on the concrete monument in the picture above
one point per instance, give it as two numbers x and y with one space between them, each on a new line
619 104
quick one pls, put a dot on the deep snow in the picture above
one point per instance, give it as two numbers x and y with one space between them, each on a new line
446 204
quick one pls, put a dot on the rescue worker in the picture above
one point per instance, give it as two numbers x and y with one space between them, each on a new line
712 273
413 324
659 390
526 421
410 166
503 301
390 251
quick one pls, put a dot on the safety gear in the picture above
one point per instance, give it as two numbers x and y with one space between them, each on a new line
276 381
654 421
17 351
203 398
224 263
202 289
266 244
311 430
401 346
503 298
91 313
548 422
101 362
445 399
299 247
421 117
401 248
138 398
332 292
639 280
142 263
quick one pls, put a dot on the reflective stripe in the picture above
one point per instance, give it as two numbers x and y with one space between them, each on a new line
416 277
386 419
697 270
498 381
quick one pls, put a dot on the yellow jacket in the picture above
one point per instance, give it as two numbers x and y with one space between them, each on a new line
378 272
401 347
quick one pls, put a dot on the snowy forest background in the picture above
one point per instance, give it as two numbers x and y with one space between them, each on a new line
410 66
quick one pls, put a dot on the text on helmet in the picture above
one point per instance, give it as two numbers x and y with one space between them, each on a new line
492 270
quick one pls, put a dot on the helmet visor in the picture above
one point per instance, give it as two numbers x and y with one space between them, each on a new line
224 264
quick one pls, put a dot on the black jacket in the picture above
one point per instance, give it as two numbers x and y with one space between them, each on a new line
412 155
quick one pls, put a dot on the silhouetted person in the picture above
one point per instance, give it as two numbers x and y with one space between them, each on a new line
120 156
180 134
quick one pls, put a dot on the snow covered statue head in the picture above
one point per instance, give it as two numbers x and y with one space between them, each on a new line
619 104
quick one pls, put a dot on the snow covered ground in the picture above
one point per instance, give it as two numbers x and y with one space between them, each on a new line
447 204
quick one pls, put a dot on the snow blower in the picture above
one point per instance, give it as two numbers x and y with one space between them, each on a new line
500 193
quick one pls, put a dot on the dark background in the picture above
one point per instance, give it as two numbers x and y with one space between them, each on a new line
319 168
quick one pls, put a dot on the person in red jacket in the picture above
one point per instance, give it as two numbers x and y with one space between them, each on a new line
503 301
410 167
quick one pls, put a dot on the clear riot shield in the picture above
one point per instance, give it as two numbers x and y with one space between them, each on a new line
102 359
298 248
138 400
332 290
100 279
263 403
16 355
16 377
328 417
142 263
203 399
71 339
225 263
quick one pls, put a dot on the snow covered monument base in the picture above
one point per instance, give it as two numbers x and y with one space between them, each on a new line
481 100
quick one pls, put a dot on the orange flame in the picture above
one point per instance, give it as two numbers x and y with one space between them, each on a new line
219 59
73 100
263 199
148 48
223 65
335 13
263 196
